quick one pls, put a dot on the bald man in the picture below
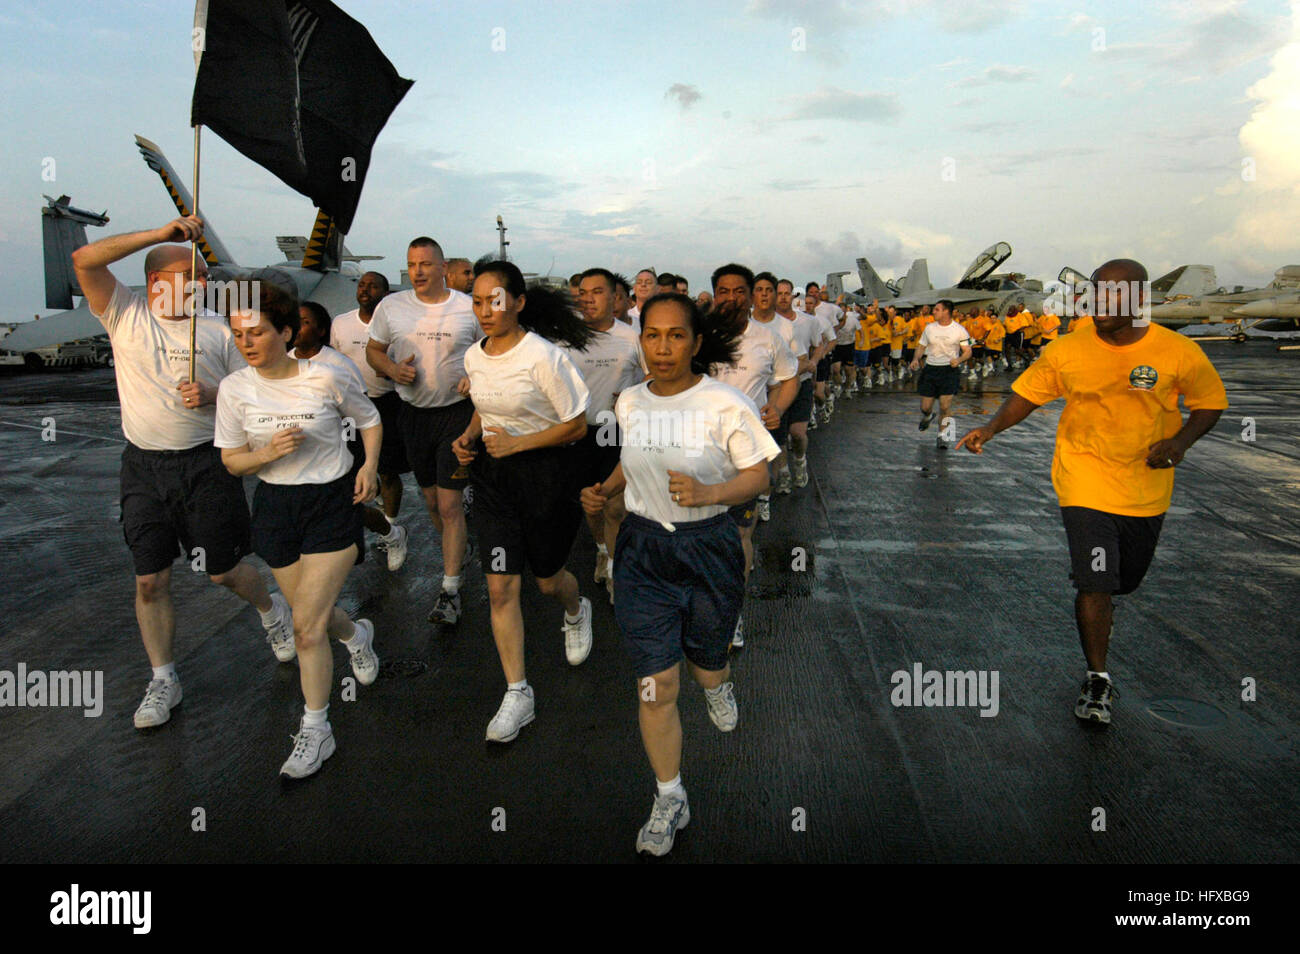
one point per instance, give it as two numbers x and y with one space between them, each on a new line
460 274
1119 438
177 498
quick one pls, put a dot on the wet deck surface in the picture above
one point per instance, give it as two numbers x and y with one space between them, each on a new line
950 560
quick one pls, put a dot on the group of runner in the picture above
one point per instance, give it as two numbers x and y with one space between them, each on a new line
663 420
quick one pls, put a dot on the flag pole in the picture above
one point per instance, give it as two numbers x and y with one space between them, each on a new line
194 261
198 43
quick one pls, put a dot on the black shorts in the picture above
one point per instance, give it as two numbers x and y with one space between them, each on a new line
801 410
823 372
526 510
678 592
427 434
744 515
937 380
292 519
176 501
843 354
908 352
1109 553
1014 339
392 453
594 457
878 354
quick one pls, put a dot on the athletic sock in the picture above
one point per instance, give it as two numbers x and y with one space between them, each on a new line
1104 675
673 785
315 718
602 548
573 619
165 672
356 636
390 536
270 616
451 584
714 693
520 686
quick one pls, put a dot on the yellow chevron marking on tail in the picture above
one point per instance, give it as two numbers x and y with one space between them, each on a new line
209 256
321 232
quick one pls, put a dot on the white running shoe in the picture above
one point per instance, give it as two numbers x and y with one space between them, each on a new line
602 567
784 483
670 814
764 509
280 633
162 696
365 664
517 710
812 419
311 747
722 707
577 636
395 545
738 637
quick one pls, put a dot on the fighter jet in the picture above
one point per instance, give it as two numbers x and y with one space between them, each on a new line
873 288
321 267
1279 299
978 287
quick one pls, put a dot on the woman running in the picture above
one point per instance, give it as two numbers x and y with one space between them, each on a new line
286 420
692 447
529 404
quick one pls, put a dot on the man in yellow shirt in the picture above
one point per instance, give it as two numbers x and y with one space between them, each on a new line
1050 326
993 340
1033 335
1119 438
898 329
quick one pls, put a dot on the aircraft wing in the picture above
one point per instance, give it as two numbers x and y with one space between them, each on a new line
54 330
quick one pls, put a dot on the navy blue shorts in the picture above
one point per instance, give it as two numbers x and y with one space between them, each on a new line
823 371
1109 552
392 453
861 359
176 501
678 593
292 519
801 409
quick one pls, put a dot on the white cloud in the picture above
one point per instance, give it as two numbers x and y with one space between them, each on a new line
998 73
1270 139
830 102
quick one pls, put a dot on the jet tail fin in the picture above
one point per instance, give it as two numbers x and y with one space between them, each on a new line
917 279
872 285
1185 281
210 246
325 247
63 231
834 285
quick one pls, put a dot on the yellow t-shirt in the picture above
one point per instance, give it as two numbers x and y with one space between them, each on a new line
861 335
1118 402
897 332
879 334
1049 324
997 334
1033 333
913 332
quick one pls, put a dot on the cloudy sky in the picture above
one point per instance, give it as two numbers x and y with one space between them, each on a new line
787 134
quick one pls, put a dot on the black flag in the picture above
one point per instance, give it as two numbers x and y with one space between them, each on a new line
345 89
246 86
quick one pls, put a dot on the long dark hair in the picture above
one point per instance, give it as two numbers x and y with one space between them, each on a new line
721 338
546 312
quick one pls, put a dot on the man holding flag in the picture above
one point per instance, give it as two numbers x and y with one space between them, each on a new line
177 497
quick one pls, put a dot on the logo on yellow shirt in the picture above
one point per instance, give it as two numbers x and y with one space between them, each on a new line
1142 378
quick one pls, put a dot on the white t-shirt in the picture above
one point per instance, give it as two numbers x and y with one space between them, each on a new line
251 408
763 361
151 356
348 336
710 431
844 334
805 335
825 325
611 363
531 387
942 344
436 335
336 359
